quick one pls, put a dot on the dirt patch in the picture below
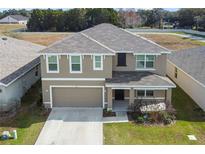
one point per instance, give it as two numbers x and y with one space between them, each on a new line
39 38
172 42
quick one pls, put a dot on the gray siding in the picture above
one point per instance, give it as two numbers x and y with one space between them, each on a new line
18 88
195 90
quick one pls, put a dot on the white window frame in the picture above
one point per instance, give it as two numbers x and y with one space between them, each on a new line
47 64
94 66
145 60
70 64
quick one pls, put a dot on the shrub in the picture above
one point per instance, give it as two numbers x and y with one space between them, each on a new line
167 117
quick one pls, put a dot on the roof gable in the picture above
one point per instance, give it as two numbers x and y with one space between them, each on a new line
121 40
77 43
105 38
19 17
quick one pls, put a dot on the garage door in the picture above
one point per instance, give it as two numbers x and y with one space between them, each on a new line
77 97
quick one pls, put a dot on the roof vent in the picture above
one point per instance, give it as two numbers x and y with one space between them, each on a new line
4 38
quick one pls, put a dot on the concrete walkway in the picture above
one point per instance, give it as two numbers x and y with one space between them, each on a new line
81 126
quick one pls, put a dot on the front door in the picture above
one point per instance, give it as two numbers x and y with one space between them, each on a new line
119 94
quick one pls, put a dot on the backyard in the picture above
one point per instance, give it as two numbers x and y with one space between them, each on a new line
29 121
173 42
190 121
6 28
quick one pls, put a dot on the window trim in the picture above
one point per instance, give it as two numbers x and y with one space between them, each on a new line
145 60
94 63
70 64
47 64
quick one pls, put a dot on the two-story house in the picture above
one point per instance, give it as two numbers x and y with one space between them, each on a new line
102 66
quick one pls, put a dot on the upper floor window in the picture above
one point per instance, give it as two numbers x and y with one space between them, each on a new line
98 62
121 59
145 61
75 64
52 64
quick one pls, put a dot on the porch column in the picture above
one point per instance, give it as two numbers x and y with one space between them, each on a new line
132 97
109 98
169 95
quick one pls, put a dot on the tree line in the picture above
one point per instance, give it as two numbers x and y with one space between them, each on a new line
79 19
70 20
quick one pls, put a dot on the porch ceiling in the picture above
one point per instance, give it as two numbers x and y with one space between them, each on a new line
138 80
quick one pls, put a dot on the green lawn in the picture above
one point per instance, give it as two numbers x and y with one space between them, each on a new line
29 121
189 121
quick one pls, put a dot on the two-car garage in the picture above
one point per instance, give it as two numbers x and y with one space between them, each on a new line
77 96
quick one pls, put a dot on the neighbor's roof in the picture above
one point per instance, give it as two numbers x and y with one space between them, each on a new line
102 38
138 79
16 58
191 61
19 17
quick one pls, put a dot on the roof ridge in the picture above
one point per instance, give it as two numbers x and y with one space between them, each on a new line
136 35
92 39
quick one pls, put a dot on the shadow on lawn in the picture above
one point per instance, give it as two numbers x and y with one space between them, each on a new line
29 113
187 109
26 118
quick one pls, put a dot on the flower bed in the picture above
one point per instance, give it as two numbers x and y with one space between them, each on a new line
162 117
108 113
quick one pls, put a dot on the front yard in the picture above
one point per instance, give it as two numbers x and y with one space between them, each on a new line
190 120
29 121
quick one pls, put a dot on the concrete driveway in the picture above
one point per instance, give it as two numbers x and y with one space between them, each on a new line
72 126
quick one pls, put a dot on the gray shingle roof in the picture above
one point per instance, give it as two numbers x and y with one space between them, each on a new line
192 61
133 78
16 58
19 17
76 43
104 38
122 40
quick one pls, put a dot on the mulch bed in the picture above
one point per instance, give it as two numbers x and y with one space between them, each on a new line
108 114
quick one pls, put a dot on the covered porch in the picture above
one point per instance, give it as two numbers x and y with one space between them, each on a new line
138 90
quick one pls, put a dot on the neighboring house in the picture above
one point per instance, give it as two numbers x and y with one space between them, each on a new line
187 69
19 69
14 19
103 66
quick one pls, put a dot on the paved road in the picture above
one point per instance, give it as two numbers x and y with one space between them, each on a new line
79 126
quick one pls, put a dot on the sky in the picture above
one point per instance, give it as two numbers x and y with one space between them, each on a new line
168 9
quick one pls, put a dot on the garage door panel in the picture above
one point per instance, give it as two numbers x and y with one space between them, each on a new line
77 97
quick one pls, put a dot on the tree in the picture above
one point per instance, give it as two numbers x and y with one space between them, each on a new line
129 18
97 16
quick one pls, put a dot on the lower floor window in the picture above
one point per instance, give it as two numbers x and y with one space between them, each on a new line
149 93
140 93
145 93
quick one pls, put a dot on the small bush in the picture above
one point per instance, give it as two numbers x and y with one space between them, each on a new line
167 117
